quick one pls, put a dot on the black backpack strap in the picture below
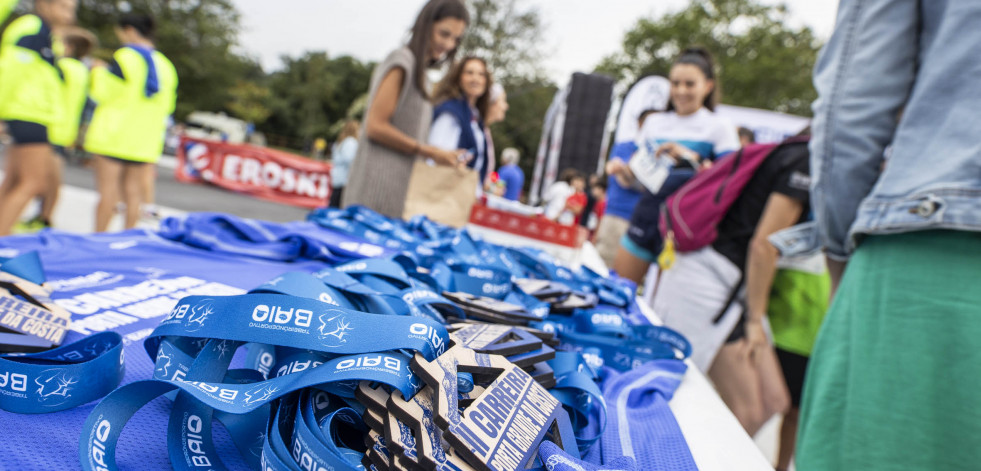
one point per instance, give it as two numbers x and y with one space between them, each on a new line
732 298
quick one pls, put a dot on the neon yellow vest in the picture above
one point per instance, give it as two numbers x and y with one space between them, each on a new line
6 8
64 130
30 83
127 124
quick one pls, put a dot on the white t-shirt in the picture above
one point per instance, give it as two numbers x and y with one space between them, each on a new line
445 132
702 131
555 198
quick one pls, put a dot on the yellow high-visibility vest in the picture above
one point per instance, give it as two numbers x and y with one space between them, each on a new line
6 8
64 130
127 124
30 82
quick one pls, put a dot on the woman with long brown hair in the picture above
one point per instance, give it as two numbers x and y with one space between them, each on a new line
399 111
462 101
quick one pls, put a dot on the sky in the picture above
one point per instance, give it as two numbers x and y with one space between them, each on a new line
577 33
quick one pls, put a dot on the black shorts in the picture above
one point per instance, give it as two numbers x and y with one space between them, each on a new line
27 132
794 367
644 231
739 330
124 161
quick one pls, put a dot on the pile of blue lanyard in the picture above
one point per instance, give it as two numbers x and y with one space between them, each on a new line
280 366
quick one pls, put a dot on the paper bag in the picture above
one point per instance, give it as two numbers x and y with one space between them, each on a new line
443 194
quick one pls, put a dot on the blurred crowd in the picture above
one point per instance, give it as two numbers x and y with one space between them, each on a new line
56 98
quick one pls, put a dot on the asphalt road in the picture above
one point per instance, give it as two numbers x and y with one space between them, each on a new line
193 197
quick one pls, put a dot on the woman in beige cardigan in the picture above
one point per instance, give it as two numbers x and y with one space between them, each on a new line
400 112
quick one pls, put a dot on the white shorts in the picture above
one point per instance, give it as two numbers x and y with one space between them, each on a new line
690 295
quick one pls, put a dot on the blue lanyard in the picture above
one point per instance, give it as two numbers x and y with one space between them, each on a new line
576 389
102 429
339 288
311 339
63 378
366 352
605 341
298 323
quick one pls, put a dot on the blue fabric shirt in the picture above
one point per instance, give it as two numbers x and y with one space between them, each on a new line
620 201
514 180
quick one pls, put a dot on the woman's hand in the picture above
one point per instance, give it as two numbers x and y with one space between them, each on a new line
679 153
451 158
613 166
621 171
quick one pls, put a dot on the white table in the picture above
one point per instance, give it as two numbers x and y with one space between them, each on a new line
716 439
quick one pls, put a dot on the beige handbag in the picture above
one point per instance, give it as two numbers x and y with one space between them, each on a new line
443 194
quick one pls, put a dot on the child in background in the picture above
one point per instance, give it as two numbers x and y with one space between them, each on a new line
575 204
558 193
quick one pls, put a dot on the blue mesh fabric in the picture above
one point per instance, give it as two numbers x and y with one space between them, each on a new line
640 424
50 441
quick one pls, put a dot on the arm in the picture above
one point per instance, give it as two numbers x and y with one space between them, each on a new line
621 171
107 82
445 132
616 164
491 158
379 127
863 76
781 212
575 204
678 152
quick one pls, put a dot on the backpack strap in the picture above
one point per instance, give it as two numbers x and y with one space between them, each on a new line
732 298
738 159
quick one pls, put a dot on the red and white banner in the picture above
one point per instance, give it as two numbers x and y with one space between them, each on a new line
531 227
257 171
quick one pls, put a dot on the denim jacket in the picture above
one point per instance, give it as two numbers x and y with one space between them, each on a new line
916 57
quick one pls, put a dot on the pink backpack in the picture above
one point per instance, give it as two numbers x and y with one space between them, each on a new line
691 215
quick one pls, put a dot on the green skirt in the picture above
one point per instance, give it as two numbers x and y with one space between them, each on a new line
894 381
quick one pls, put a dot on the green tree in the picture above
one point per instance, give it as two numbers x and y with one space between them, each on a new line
196 35
506 35
248 102
313 92
529 100
762 62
